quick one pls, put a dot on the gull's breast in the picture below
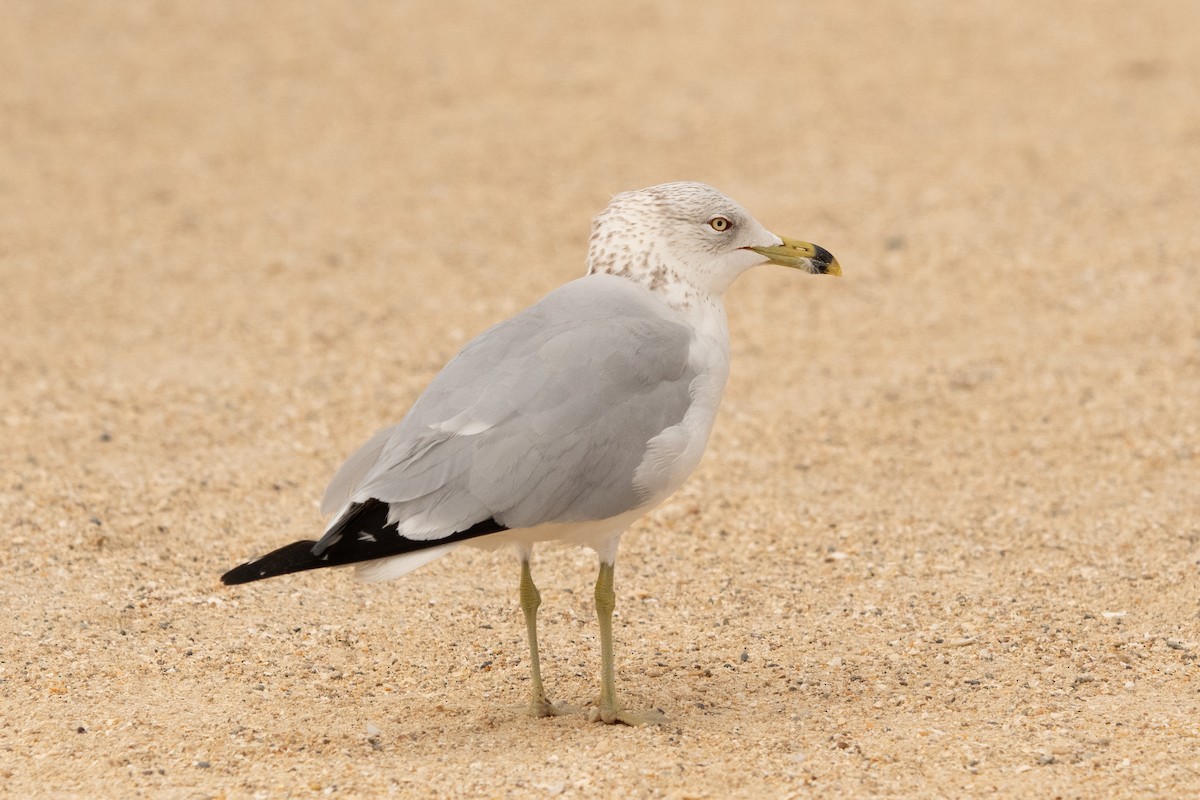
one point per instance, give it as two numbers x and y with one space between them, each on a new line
676 452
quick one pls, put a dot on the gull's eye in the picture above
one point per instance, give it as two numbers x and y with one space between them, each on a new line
720 224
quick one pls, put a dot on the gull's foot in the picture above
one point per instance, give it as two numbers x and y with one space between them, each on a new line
544 708
622 716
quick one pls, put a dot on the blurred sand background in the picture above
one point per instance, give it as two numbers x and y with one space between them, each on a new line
945 541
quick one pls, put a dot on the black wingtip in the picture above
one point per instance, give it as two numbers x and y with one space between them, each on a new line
373 537
295 557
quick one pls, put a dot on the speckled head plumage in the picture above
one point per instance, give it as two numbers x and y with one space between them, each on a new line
686 239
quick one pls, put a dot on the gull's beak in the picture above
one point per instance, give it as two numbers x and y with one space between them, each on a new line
801 255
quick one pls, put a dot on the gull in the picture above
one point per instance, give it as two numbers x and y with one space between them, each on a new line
565 423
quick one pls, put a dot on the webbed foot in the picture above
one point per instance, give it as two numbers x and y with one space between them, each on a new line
544 708
617 715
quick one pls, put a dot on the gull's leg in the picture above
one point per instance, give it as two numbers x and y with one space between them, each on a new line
531 598
610 711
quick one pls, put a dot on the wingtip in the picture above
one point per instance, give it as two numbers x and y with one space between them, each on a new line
295 557
243 573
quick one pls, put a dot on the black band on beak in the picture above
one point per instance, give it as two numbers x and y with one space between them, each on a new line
822 258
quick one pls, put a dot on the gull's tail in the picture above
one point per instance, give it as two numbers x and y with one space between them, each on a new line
362 536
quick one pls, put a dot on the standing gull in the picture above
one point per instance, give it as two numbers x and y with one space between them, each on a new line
567 422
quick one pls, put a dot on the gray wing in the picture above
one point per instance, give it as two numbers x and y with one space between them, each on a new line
351 474
542 418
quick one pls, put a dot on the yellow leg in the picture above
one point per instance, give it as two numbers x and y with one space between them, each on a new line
610 711
531 598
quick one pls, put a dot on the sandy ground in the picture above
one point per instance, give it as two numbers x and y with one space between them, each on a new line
945 542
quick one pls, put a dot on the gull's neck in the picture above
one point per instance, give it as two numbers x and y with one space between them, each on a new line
655 271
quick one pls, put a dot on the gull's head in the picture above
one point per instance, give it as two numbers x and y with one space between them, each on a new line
686 238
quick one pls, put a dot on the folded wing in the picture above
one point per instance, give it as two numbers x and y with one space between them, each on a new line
544 418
